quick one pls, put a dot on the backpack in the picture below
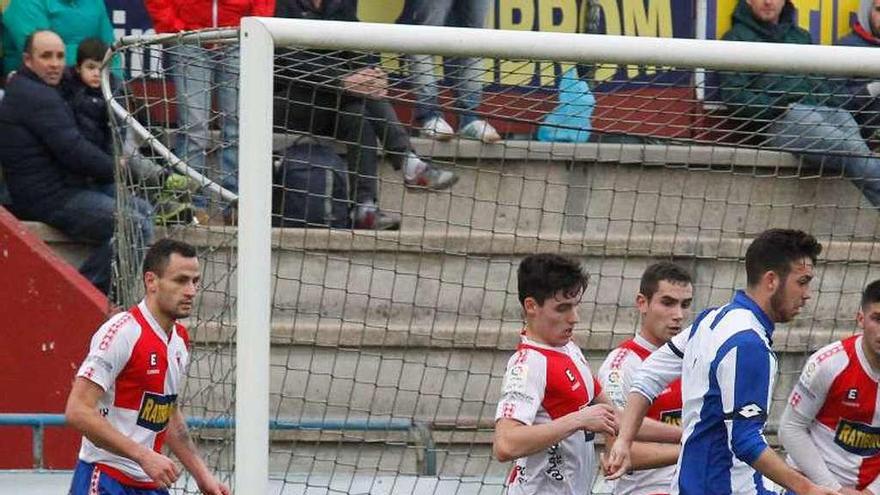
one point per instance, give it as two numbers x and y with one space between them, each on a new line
311 188
570 120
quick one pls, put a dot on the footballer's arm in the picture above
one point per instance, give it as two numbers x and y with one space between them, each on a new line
82 413
513 439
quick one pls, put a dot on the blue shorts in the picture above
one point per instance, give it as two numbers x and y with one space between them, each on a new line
87 480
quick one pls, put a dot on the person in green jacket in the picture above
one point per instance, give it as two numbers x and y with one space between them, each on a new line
800 114
73 20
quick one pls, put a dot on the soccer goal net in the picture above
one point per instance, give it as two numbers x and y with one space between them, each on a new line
359 300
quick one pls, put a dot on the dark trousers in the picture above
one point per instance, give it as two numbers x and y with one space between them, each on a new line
866 110
89 215
359 123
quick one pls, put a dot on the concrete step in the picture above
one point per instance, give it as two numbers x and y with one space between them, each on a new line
524 187
554 188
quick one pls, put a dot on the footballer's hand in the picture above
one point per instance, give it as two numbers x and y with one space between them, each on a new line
618 461
211 486
852 491
599 419
160 468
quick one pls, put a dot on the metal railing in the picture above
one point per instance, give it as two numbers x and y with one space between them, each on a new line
420 432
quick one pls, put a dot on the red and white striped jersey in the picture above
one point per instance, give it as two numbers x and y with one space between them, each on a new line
543 383
616 376
140 369
839 390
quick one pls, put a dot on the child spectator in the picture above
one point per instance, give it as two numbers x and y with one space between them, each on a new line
83 93
82 90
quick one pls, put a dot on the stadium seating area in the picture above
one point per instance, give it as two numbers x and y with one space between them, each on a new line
436 300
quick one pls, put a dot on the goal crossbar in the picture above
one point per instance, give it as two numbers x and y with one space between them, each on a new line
574 47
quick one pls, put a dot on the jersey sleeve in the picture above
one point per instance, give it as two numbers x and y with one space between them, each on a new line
523 389
661 368
743 370
110 350
616 375
808 395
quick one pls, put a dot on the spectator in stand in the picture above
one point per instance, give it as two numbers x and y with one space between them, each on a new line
81 88
55 175
800 114
864 104
73 21
467 74
199 69
343 97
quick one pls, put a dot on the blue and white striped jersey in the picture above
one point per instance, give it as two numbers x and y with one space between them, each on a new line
727 369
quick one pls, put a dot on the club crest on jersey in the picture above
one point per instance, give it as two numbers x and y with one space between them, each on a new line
155 410
613 377
671 417
858 438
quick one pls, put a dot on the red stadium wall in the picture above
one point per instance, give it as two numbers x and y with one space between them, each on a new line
48 312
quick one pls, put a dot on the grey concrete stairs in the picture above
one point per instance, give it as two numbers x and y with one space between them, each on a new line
420 323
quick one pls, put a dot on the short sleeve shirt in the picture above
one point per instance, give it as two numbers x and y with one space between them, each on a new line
140 368
543 383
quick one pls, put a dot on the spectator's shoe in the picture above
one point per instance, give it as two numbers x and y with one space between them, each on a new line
180 182
201 216
174 202
480 130
420 175
372 218
437 128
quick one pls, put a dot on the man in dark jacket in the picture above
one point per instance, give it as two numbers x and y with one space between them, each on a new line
799 114
341 95
54 174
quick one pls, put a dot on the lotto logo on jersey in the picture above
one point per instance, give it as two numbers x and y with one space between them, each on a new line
748 412
858 438
155 411
671 417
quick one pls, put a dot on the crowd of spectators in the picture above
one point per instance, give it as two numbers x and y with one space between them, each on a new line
805 115
55 141
54 174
